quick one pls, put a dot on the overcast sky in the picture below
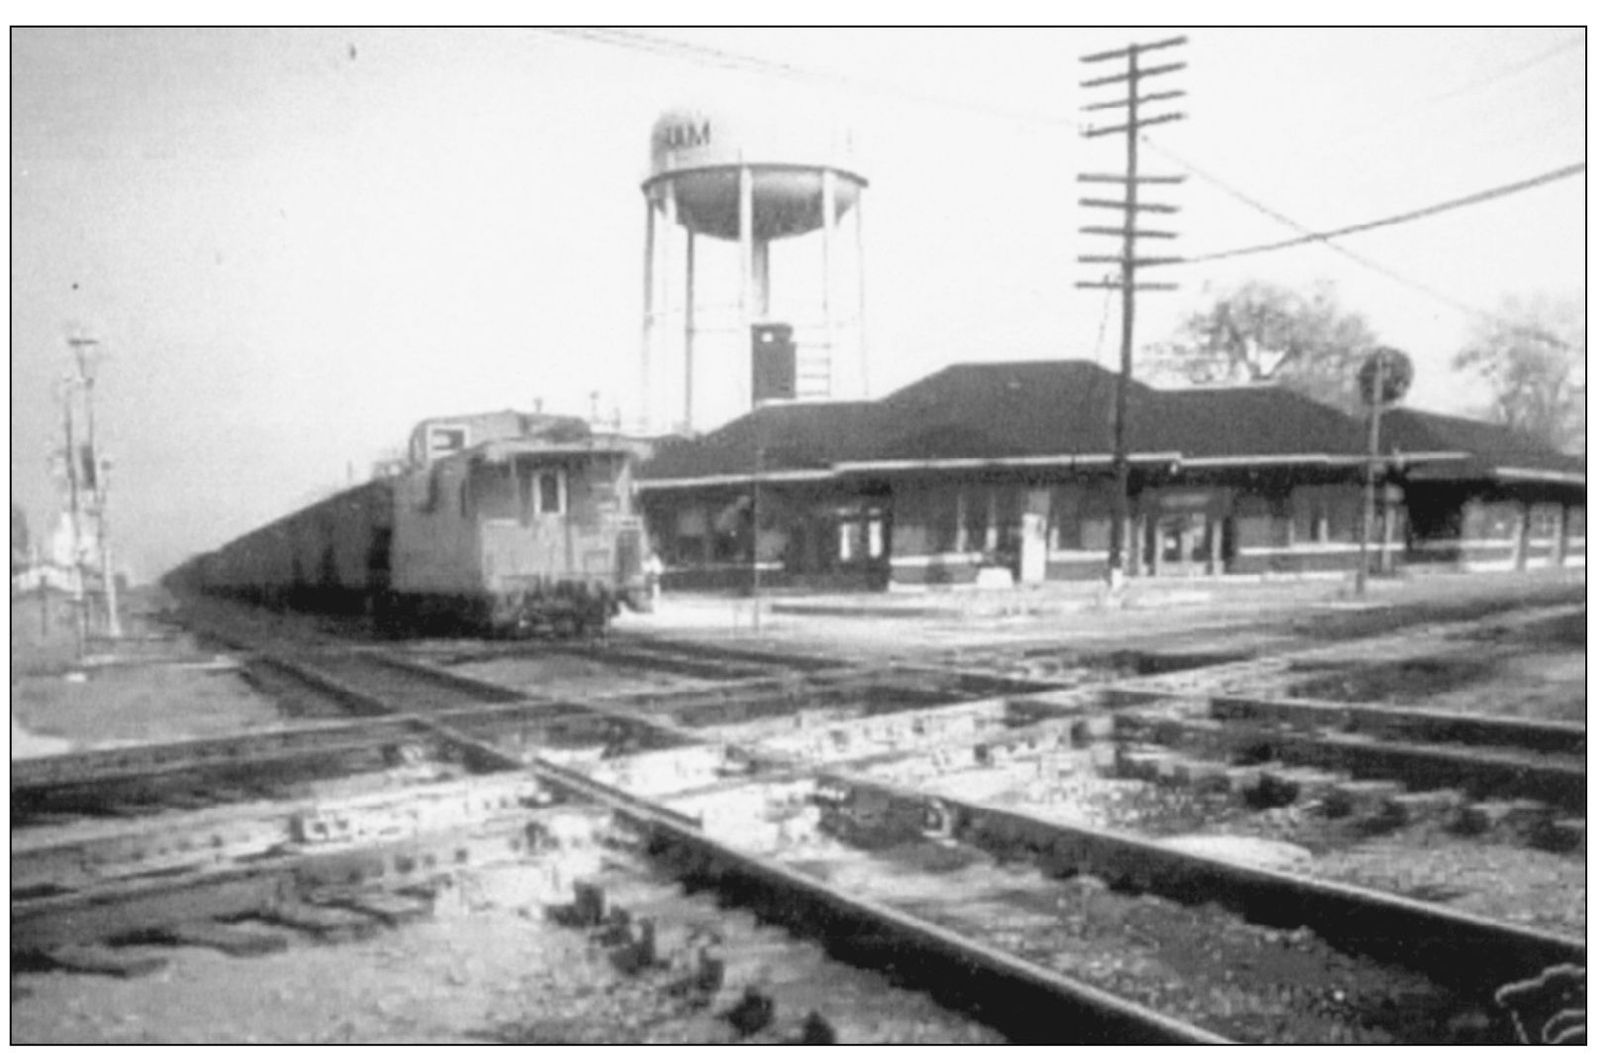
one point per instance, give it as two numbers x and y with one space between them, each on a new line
295 244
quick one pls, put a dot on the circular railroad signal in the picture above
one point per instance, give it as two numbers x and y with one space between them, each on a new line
1397 375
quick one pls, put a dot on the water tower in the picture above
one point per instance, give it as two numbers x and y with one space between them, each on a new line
776 319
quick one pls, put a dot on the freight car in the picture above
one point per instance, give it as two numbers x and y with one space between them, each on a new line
504 523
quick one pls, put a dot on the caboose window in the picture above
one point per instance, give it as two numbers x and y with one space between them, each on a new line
551 491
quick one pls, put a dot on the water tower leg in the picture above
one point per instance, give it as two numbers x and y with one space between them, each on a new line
761 278
645 384
747 313
668 277
862 300
688 330
828 276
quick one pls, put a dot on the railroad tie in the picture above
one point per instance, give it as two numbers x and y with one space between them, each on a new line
127 810
817 1030
1519 816
326 922
698 985
102 959
638 954
192 799
1565 835
753 1013
229 940
391 909
586 909
618 927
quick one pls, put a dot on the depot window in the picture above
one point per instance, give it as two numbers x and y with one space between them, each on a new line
550 494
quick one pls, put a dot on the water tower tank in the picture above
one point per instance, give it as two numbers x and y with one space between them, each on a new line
748 179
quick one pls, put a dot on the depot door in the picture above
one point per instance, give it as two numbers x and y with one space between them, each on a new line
1182 544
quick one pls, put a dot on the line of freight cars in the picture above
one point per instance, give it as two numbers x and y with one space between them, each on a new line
503 523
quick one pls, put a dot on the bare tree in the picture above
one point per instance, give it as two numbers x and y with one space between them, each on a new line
1264 332
1532 357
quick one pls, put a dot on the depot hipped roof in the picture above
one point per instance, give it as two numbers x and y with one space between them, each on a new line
1043 413
1491 450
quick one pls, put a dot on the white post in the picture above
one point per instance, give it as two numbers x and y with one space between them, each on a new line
83 350
76 568
109 580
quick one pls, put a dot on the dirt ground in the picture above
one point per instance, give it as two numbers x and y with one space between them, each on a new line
156 686
1250 612
1491 876
1525 669
1201 963
496 973
559 674
491 966
166 690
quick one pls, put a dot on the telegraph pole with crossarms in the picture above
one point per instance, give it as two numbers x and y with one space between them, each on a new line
1128 261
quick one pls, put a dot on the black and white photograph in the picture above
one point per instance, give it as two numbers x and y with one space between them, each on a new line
677 535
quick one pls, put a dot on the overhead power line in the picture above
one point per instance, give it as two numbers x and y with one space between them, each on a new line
1366 262
1348 138
705 55
1405 217
1505 72
702 54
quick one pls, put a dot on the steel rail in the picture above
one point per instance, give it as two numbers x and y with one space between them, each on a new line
1484 769
1440 942
1444 944
80 855
151 903
805 662
1419 722
144 760
1031 1002
1028 1002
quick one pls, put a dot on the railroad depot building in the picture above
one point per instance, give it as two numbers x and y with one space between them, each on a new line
997 473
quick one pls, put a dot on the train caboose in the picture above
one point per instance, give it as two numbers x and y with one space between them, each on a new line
502 523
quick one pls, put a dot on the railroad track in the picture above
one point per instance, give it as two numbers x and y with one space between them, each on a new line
1357 758
932 945
1244 649
1000 989
702 661
148 780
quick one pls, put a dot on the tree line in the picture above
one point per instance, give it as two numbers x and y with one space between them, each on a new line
1529 355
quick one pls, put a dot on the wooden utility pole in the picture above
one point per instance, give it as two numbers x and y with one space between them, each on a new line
1128 260
1368 495
76 571
83 348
